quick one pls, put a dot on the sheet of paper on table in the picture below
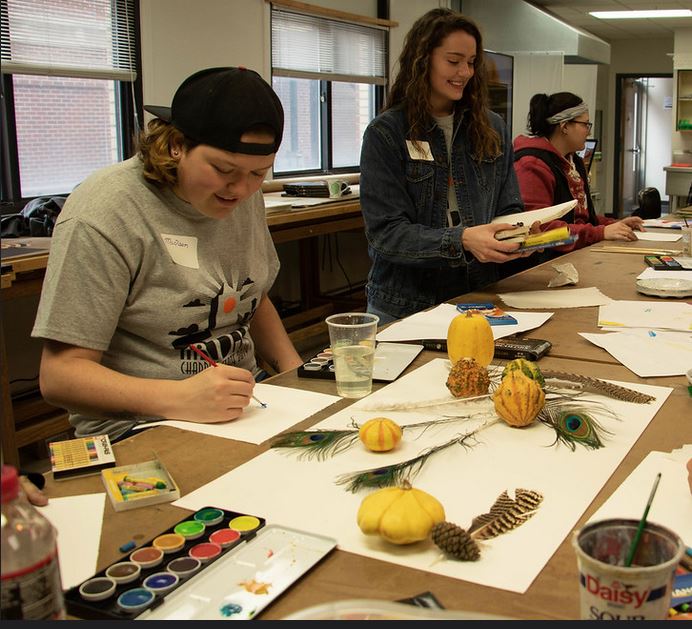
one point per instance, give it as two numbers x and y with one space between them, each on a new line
302 493
78 520
666 223
285 407
666 353
656 315
555 298
672 504
657 236
433 324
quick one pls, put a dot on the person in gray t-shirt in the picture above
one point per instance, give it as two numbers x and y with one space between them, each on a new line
164 254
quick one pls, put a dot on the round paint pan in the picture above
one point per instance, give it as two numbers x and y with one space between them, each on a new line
189 529
224 537
184 566
169 543
124 572
209 517
161 582
97 589
135 599
244 524
205 551
147 557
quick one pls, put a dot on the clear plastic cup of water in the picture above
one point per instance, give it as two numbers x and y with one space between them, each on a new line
352 340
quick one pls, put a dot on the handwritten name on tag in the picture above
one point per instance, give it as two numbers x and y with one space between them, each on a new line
182 249
422 151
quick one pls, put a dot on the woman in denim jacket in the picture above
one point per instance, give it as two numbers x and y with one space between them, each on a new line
436 168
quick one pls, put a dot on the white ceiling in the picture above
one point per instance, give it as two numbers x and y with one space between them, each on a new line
576 13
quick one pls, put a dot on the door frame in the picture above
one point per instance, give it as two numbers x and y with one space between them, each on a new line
619 117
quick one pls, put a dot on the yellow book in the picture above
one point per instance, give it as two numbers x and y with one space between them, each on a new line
544 238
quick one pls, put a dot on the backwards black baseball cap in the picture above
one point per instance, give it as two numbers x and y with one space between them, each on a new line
217 106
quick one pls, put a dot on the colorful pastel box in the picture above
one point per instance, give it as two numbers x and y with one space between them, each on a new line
139 485
214 564
80 457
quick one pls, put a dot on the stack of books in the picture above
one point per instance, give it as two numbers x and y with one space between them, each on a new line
542 240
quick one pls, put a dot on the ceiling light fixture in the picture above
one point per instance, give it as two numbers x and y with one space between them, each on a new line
628 15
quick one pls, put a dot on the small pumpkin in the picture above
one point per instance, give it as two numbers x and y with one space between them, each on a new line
470 335
380 434
518 399
528 368
401 515
467 378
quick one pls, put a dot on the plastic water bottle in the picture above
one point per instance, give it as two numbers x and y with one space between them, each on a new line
30 585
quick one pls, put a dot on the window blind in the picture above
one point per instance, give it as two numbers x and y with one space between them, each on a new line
72 38
311 47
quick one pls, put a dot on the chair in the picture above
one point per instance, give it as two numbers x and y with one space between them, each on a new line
649 204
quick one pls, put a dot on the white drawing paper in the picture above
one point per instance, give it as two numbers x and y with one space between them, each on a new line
302 493
285 407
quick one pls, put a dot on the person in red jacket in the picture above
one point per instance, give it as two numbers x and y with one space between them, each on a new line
550 171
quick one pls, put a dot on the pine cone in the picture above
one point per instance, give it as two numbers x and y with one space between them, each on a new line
455 541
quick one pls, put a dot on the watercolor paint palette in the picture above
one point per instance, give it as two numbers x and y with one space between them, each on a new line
390 361
174 559
248 579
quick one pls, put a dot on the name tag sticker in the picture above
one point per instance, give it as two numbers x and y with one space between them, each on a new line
182 249
422 151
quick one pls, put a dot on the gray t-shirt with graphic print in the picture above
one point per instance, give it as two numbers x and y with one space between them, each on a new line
139 274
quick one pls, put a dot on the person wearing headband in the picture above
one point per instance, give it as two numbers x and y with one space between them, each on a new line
436 168
166 251
550 171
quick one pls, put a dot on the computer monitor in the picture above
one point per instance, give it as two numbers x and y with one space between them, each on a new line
588 152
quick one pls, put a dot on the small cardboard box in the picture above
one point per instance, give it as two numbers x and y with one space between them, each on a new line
80 457
139 485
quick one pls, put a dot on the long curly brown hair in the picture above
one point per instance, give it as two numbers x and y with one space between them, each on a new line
154 149
411 88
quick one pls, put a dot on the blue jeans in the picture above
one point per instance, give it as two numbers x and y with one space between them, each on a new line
384 317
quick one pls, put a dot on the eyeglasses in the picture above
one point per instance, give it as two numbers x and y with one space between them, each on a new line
589 125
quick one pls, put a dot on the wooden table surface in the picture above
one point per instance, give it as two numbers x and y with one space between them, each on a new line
614 274
195 459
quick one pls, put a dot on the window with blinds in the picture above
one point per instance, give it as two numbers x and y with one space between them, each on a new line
330 76
68 68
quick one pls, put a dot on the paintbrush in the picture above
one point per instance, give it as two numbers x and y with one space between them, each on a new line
642 523
212 362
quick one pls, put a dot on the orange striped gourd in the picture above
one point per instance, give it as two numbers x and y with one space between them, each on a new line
380 434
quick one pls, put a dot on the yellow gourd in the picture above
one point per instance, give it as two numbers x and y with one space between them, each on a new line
380 434
401 515
518 399
470 336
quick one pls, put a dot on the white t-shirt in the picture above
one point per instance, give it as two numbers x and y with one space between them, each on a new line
139 274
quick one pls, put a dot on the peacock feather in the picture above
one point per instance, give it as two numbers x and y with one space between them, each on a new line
574 424
324 444
319 444
392 475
